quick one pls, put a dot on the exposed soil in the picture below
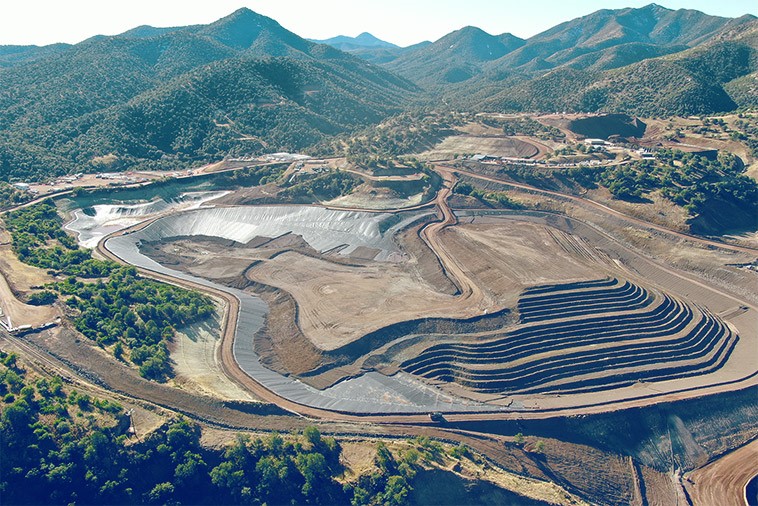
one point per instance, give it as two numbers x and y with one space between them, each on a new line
338 304
723 481
512 255
281 344
372 197
20 313
194 352
494 145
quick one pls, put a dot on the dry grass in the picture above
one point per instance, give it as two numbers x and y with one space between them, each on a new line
17 279
20 276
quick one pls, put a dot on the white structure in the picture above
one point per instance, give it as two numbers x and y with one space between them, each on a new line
595 142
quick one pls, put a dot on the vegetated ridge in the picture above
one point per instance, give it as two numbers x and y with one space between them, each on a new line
173 97
184 95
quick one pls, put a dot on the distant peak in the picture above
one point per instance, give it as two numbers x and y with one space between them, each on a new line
242 15
365 39
467 32
242 11
472 29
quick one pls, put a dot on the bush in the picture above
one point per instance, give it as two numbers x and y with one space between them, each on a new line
43 298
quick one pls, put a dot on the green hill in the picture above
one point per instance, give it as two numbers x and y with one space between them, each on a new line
456 57
694 81
169 97
651 30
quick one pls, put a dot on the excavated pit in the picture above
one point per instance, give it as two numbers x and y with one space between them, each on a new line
543 331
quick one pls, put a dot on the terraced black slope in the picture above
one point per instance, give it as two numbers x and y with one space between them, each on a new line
583 337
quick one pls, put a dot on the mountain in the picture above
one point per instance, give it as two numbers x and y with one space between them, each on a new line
649 61
364 40
16 55
370 48
170 97
604 40
715 76
649 30
179 95
456 57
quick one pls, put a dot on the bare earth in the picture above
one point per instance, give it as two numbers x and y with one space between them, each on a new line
499 145
195 355
20 313
339 303
722 481
512 255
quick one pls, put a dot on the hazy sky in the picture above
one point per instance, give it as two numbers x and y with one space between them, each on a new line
403 22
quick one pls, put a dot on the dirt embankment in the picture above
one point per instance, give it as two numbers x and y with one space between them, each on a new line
17 313
723 481
673 435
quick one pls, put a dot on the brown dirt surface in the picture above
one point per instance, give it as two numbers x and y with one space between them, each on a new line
371 197
357 457
660 489
281 344
20 313
338 304
723 481
512 255
493 145
194 352
580 465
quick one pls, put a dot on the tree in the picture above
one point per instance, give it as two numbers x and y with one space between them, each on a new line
396 491
161 493
539 446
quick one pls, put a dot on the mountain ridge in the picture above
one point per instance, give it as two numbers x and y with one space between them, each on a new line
173 96
363 40
115 96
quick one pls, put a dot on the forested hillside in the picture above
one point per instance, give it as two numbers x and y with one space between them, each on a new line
169 98
243 85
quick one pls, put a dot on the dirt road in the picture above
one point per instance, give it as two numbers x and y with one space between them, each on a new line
430 234
605 209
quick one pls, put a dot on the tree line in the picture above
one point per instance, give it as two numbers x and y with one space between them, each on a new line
61 446
133 317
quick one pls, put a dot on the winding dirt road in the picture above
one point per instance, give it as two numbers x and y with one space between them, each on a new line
467 289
